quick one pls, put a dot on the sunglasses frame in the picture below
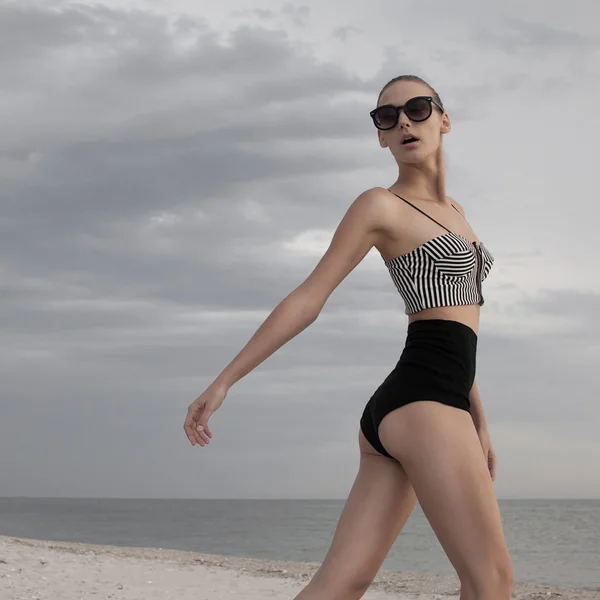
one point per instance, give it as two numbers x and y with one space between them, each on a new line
398 109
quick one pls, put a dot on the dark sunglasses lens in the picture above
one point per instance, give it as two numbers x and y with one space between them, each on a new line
386 117
418 109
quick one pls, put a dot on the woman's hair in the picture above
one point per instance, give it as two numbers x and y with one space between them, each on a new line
410 78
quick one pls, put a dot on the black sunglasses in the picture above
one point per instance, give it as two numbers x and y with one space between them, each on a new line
416 109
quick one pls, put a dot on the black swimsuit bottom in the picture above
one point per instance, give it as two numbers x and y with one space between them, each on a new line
438 363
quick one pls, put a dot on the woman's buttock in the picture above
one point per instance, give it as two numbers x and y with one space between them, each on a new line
438 363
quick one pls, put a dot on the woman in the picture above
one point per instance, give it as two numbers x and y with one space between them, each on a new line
422 432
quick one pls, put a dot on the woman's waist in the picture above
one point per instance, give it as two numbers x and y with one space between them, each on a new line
440 339
467 315
440 349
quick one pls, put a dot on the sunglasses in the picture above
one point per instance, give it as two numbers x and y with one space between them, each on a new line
416 109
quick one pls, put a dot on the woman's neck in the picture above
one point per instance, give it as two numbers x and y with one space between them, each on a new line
426 180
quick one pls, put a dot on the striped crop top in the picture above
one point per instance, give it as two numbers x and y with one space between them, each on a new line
445 271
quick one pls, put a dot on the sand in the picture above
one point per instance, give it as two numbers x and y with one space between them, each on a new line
45 570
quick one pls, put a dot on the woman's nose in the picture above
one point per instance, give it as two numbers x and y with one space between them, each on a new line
403 119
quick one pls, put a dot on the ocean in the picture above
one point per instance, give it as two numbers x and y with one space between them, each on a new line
554 542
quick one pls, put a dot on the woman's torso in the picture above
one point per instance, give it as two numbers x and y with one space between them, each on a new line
409 235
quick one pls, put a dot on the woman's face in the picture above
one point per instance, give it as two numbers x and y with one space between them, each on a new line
428 132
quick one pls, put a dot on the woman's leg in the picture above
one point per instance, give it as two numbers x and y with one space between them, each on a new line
440 451
379 504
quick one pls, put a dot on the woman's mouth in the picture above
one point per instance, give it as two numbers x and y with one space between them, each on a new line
410 142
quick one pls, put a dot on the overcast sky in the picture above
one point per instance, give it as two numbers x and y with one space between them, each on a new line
171 170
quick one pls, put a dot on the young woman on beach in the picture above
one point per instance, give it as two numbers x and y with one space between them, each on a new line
423 434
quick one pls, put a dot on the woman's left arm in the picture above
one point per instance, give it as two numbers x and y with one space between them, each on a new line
477 413
477 409
482 430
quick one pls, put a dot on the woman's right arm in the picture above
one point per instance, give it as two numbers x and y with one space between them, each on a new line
357 233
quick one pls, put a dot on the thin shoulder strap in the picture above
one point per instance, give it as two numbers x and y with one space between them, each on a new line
458 211
421 211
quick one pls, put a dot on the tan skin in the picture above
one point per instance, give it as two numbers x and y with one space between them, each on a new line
436 449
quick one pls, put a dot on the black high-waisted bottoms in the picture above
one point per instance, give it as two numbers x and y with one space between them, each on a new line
437 363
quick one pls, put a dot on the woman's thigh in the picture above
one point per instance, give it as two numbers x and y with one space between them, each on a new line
439 448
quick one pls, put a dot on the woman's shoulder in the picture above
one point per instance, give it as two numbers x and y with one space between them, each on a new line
376 201
377 197
376 208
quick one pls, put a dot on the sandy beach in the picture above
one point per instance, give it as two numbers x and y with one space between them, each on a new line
45 570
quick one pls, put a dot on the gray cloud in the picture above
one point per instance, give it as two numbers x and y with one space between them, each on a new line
261 13
298 14
84 198
346 33
153 177
330 370
515 35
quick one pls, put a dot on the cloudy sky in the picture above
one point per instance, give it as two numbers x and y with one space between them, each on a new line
171 170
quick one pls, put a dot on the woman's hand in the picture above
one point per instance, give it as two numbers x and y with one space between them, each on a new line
199 412
488 451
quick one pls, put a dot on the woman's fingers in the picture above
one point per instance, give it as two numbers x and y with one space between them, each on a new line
191 425
203 434
189 428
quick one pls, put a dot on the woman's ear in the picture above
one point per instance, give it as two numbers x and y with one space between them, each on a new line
446 123
382 141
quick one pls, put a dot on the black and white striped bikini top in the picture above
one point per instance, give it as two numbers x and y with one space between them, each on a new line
445 271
